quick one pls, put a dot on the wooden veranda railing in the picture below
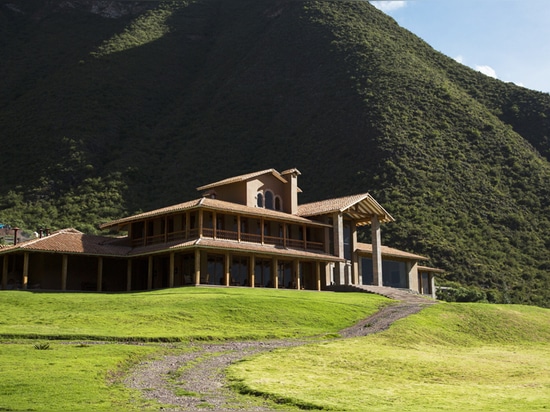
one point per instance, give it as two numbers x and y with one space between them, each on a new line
231 235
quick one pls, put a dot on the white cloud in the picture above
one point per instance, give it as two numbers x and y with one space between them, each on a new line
459 59
388 5
487 70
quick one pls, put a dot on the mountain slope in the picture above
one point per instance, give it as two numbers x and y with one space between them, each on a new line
105 113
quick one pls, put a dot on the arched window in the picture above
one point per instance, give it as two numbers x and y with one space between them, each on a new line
260 199
278 203
268 199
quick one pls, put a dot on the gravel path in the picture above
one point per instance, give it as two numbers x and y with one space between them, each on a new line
195 381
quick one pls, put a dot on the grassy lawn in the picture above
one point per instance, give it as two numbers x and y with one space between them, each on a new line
68 377
181 314
450 357
87 377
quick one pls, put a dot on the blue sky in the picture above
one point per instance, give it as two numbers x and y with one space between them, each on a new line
506 39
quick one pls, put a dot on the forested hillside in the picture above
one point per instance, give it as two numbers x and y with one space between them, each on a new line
111 107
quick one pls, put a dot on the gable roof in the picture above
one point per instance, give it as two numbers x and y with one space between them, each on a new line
389 252
242 178
359 207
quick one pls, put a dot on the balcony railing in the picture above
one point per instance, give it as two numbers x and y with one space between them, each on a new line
229 235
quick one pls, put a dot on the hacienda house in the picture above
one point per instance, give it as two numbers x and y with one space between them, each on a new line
247 230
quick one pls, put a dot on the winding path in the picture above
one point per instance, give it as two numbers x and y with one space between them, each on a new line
195 381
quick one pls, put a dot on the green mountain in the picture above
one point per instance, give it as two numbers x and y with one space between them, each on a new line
107 108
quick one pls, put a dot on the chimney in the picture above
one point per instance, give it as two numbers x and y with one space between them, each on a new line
291 191
15 230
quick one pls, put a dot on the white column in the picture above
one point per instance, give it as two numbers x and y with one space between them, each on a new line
338 222
376 252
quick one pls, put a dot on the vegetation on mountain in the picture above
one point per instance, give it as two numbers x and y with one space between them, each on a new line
101 117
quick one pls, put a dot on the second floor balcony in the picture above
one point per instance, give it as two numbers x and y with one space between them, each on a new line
213 226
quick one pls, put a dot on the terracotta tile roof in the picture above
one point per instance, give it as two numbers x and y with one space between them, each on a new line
389 252
242 178
360 207
152 213
73 241
267 249
213 204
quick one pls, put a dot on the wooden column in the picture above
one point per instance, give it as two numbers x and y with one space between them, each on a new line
239 228
197 267
25 282
214 225
172 270
275 273
64 267
129 275
145 232
262 234
376 252
318 275
201 221
187 223
304 230
251 271
227 269
150 273
5 272
99 274
296 273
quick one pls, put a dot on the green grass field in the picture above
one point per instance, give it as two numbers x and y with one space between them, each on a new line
448 357
181 314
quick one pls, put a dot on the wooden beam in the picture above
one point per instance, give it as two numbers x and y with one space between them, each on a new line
172 270
150 273
318 275
197 267
129 275
99 274
296 274
5 272
275 263
227 269
64 267
251 271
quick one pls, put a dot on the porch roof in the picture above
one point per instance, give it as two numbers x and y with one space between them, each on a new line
429 269
232 246
360 207
366 248
72 241
215 205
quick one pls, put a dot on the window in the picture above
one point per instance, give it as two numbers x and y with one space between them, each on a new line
260 199
269 199
278 203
